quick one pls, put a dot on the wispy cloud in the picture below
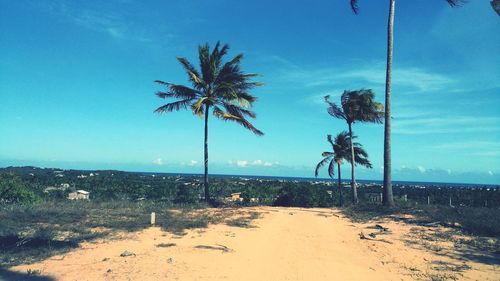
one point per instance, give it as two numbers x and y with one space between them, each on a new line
421 169
474 148
242 163
468 145
412 79
445 124
113 23
254 163
158 162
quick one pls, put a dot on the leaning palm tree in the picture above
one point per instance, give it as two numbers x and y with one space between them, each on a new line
342 151
218 87
388 199
356 106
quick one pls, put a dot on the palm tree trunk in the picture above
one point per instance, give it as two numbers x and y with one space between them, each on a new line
388 198
353 176
340 186
205 182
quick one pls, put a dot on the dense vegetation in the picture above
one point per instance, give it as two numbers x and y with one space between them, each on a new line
30 184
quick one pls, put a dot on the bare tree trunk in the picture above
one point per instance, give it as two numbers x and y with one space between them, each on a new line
353 176
388 199
205 182
340 186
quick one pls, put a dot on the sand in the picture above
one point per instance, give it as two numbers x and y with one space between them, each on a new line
285 244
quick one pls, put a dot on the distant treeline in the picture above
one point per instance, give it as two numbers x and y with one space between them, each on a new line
31 184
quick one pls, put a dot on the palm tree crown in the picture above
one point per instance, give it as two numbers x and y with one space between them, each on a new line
452 3
222 86
341 147
357 106
341 150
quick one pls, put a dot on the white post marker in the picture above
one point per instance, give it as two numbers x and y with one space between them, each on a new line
428 200
153 218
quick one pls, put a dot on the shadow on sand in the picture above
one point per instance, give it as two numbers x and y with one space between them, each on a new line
7 275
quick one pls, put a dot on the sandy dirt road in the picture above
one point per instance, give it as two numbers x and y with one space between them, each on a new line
285 244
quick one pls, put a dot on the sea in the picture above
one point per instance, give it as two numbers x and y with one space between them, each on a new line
360 181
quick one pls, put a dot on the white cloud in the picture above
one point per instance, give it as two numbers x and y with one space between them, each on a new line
193 163
158 162
242 163
421 169
257 162
490 173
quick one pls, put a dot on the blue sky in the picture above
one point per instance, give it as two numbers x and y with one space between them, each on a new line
76 85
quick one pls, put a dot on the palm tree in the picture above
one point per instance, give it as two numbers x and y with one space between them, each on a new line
220 87
388 199
495 4
342 151
356 106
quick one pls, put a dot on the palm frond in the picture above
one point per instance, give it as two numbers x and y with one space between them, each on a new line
321 164
205 64
197 107
181 91
455 3
327 153
230 71
237 110
331 169
221 114
363 161
177 91
245 99
334 110
173 106
162 82
358 150
216 57
164 95
329 139
354 6
192 72
242 121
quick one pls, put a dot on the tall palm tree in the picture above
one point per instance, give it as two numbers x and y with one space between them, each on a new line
388 199
495 4
356 106
217 86
342 151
